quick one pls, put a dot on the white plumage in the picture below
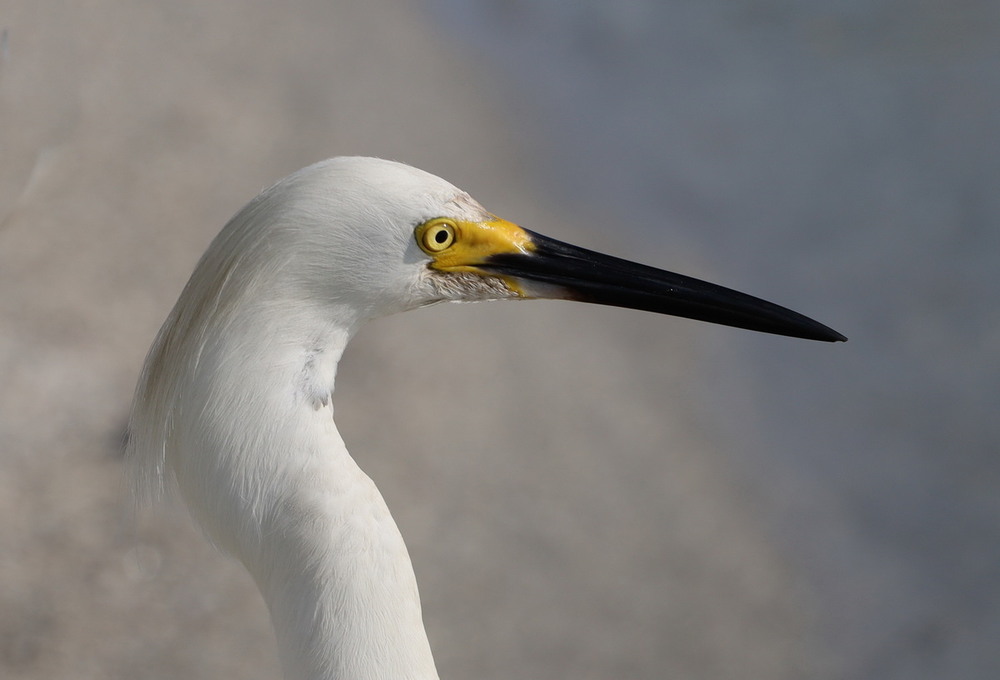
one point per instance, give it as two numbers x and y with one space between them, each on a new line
234 400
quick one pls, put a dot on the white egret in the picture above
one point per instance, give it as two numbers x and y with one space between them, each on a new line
234 401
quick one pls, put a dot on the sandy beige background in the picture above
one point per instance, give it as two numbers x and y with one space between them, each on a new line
567 513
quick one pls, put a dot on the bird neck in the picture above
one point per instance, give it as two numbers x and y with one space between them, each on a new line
277 488
338 581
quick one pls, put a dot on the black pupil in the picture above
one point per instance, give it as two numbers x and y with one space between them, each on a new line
441 236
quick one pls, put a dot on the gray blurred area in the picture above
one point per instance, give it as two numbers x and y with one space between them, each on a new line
586 492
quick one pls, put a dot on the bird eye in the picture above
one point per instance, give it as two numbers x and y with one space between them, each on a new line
436 236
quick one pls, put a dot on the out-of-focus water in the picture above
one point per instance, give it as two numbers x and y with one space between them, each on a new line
844 159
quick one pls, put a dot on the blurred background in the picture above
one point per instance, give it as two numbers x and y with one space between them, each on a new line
617 495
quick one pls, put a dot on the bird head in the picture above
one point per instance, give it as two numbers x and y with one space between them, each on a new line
373 237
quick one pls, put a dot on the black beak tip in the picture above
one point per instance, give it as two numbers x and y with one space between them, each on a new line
824 334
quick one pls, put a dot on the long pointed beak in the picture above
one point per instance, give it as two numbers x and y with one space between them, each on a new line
553 269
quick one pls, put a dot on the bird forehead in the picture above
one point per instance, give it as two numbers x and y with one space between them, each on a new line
464 207
446 202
